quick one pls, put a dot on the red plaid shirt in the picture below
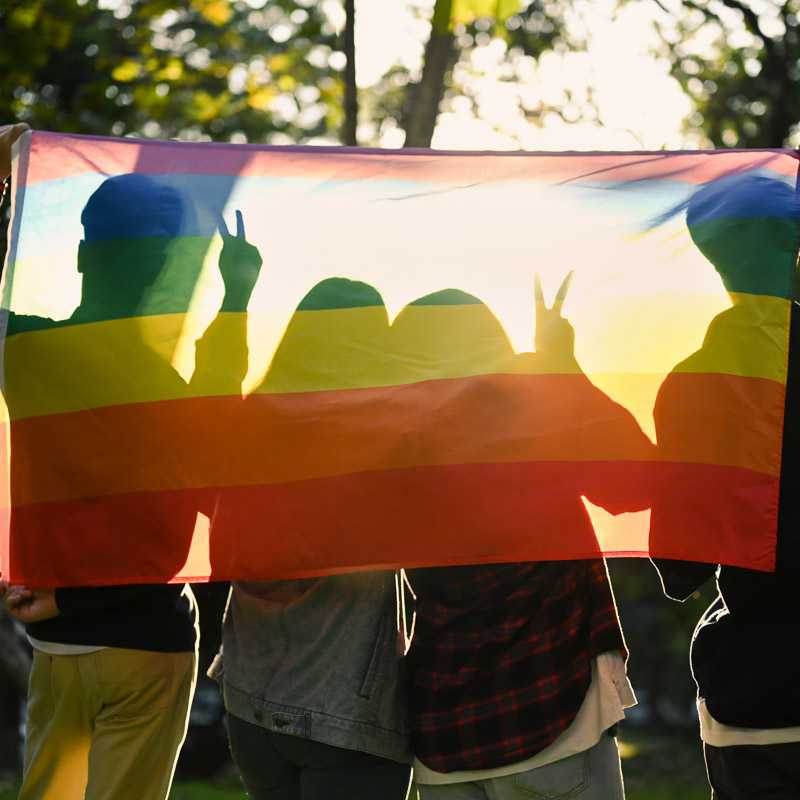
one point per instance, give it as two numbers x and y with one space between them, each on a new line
501 658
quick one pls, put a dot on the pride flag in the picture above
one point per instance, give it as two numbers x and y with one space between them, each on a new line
248 362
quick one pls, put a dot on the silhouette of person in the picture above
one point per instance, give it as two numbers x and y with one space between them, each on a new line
312 677
511 663
118 733
709 411
535 432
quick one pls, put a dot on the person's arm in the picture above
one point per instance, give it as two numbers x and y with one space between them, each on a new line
34 605
627 444
8 135
30 605
681 579
221 355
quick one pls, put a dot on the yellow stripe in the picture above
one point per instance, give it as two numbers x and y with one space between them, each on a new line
356 348
123 361
751 340
80 367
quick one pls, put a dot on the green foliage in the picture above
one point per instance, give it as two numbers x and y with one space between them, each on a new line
527 27
662 764
219 68
257 70
467 11
741 67
180 791
202 791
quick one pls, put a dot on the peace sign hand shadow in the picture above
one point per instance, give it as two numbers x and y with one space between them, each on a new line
239 264
555 336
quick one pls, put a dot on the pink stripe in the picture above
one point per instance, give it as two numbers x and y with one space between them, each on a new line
57 156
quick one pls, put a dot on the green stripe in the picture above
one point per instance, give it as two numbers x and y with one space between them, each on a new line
752 256
335 293
447 297
138 278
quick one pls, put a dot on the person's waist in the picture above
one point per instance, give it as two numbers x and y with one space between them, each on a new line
168 632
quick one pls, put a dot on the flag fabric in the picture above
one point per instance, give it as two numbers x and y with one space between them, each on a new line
250 362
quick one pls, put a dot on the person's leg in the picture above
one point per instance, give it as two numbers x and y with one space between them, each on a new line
142 723
357 782
58 731
266 773
754 772
451 791
594 774
336 773
605 771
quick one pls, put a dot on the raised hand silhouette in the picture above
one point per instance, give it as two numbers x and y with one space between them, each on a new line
554 338
239 264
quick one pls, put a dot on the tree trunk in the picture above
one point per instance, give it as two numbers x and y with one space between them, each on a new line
426 96
349 128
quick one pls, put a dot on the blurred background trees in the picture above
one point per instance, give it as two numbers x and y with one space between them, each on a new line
278 70
739 62
161 69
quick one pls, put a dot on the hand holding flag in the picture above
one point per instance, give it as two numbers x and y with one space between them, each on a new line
30 605
8 135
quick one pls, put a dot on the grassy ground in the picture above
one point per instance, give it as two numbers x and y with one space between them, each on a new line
662 766
657 766
204 791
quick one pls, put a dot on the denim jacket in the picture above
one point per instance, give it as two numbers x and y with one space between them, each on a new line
319 658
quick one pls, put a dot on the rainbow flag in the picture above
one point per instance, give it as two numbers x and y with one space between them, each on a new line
249 362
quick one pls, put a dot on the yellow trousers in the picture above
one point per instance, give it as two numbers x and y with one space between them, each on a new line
106 725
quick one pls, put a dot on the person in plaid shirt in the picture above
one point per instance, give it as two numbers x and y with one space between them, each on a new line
517 671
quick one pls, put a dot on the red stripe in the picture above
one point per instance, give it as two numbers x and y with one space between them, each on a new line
63 155
404 518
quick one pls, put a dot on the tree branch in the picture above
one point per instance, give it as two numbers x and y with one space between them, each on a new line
751 19
349 135
705 10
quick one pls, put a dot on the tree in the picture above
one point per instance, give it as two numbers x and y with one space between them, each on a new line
457 27
426 95
739 61
226 69
241 70
349 134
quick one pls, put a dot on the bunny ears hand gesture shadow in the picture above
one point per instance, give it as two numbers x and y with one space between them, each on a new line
554 336
239 264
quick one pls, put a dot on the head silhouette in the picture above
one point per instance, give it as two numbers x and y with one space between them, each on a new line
320 349
747 227
128 223
449 333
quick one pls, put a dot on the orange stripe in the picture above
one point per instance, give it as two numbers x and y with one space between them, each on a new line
713 418
272 439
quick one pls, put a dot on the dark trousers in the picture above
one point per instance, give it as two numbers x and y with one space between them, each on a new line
275 766
754 772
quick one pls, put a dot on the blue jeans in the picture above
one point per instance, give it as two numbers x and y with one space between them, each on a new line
594 774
